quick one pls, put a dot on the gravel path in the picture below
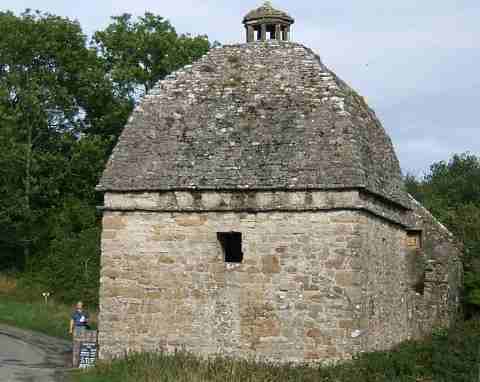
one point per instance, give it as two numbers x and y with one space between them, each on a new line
26 356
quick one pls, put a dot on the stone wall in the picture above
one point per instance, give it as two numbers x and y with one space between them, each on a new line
387 296
325 275
441 255
164 284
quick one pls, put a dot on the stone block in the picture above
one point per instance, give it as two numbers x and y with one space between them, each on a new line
347 278
184 199
264 200
301 306
313 356
112 273
314 333
344 218
109 234
314 296
193 220
297 199
271 264
155 295
163 259
211 200
114 222
267 328
346 324
335 262
252 270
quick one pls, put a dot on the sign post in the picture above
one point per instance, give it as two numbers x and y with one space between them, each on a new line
84 348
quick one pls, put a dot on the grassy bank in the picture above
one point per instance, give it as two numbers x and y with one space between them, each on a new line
451 356
24 307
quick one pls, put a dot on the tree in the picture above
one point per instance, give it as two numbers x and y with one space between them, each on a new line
52 87
63 104
138 53
11 184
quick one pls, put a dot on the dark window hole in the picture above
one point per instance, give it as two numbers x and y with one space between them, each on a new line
232 246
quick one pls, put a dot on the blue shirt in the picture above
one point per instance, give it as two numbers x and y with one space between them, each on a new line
80 318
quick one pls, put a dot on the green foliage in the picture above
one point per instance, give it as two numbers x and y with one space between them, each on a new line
74 258
472 285
451 356
11 184
140 52
47 76
451 191
456 353
63 104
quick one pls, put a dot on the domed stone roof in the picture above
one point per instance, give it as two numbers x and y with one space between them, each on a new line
266 11
258 116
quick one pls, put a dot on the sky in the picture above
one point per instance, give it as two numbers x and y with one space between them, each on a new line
416 62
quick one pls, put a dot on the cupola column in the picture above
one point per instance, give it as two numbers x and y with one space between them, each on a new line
278 32
264 32
250 33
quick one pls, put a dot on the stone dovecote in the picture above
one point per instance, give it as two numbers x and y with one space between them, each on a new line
255 207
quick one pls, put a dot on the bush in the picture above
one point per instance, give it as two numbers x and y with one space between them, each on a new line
71 269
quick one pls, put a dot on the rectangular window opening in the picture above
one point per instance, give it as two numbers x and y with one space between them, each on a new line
232 246
414 239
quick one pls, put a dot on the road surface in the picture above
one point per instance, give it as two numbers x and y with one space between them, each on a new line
30 357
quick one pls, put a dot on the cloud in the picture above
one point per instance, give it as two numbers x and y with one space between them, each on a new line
415 61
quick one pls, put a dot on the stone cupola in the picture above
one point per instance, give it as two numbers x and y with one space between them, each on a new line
267 23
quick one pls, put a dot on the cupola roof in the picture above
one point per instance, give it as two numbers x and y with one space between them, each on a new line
266 11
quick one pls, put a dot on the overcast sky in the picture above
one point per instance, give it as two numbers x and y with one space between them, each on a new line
417 62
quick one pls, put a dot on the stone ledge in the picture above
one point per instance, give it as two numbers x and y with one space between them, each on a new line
253 202
232 201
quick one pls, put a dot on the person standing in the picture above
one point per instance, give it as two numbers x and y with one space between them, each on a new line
79 319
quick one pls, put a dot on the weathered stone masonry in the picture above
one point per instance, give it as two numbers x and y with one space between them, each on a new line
263 141
320 280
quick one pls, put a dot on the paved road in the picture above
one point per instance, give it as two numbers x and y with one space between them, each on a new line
30 357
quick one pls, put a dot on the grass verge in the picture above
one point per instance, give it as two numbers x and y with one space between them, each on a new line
25 308
451 356
50 319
